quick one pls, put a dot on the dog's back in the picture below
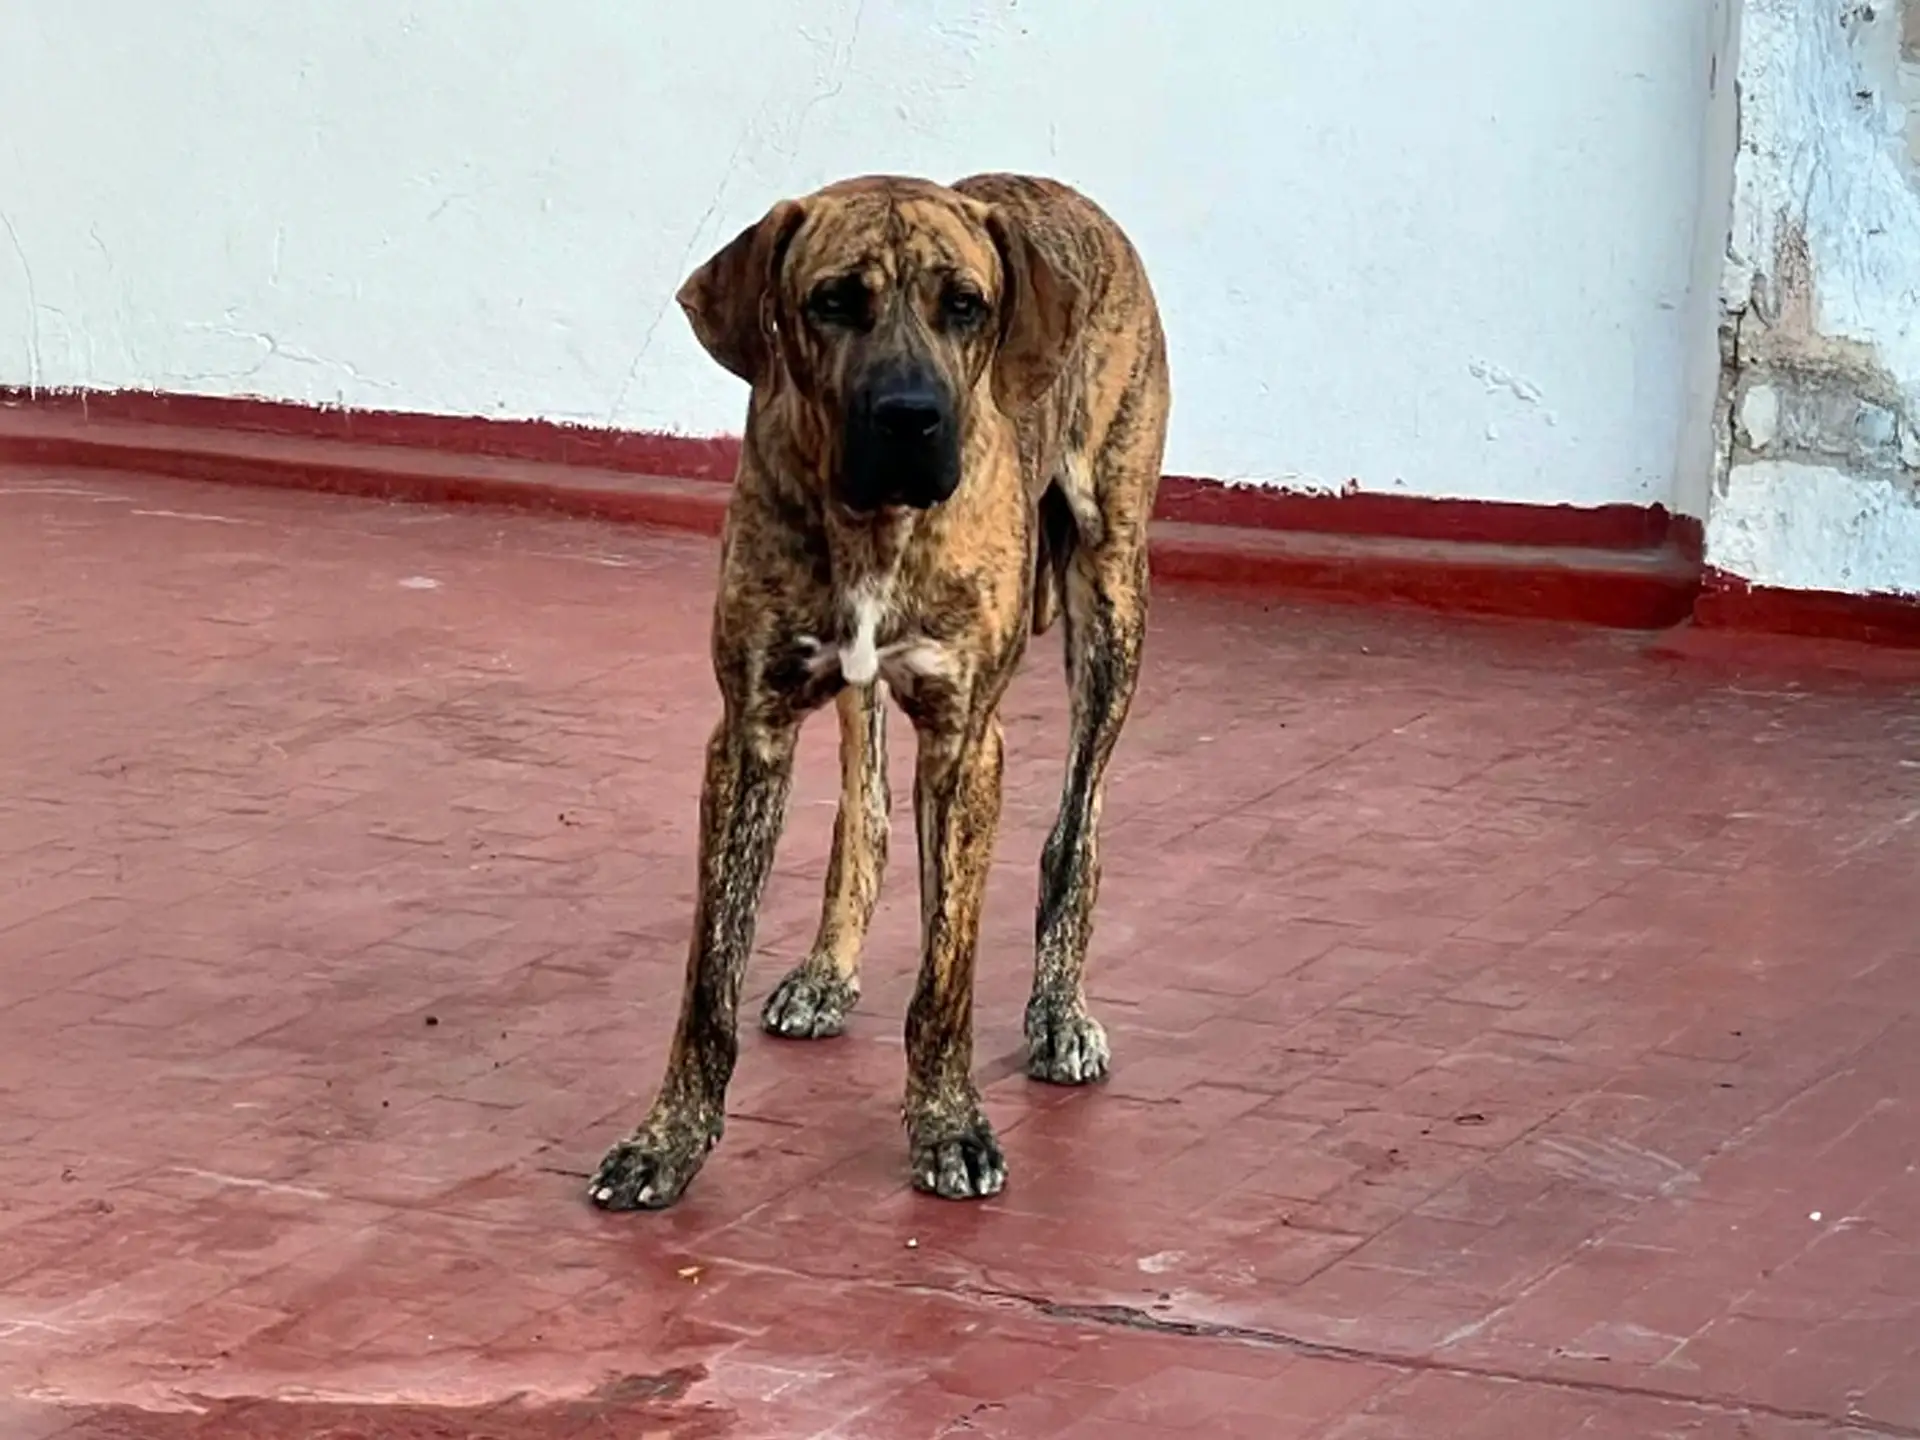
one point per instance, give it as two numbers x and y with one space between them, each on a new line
1109 405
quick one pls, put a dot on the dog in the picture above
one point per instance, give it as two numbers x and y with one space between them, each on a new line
958 414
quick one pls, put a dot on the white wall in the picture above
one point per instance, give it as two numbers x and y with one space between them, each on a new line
1441 249
1705 433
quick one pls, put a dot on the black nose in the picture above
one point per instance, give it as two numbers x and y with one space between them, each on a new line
907 415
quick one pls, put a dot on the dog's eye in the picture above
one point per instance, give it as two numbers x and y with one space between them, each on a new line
964 307
838 302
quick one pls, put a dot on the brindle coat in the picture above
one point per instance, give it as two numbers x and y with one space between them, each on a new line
1027 313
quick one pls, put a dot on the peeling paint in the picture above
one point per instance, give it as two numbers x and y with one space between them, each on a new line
1822 291
1801 526
1497 378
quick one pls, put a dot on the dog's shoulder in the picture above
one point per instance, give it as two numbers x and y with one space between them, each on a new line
1079 237
1067 223
1034 197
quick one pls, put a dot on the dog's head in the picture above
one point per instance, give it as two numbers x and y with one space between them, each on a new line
894 311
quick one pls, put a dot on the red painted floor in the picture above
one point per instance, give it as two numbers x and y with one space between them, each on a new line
1517 1028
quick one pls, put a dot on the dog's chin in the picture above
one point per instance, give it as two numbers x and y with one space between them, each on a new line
857 503
864 514
887 512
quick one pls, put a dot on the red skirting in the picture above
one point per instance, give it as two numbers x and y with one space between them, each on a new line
1617 565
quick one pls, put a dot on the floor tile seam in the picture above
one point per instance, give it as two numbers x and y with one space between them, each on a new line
1122 1317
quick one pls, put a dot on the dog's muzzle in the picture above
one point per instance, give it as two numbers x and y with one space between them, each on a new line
902 444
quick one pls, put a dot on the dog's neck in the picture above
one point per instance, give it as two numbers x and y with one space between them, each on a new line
870 571
865 558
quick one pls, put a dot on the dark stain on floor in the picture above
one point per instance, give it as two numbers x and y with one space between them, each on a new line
633 1407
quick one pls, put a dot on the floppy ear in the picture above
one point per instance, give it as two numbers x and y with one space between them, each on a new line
1038 306
729 300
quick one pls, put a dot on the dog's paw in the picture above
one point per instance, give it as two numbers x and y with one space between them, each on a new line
810 1004
651 1168
959 1163
1065 1045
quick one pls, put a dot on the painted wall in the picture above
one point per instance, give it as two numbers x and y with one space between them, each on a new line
1704 431
1434 249
1821 488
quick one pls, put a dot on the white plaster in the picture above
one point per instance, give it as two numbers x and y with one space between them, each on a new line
1823 154
1907 87
485 209
1822 149
1812 527
1497 377
1760 416
1704 438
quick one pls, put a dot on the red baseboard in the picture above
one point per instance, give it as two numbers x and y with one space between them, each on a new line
1729 603
688 457
1619 565
1619 589
544 442
1410 517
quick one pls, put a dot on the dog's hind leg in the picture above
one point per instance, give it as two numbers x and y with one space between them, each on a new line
1104 585
813 1000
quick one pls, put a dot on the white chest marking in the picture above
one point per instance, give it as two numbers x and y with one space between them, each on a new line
861 659
900 664
860 656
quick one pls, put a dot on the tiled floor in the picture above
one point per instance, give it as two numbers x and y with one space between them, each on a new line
1517 1031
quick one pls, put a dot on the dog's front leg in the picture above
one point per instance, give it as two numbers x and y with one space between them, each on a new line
814 999
957 810
742 808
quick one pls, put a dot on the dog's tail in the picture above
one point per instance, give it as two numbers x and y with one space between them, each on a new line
1058 538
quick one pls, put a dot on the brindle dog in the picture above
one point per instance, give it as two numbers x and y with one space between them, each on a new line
959 407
